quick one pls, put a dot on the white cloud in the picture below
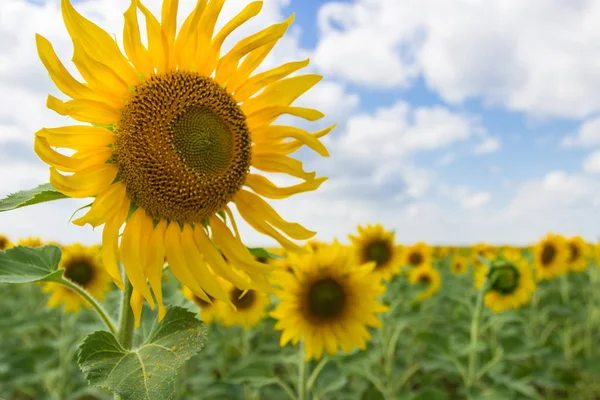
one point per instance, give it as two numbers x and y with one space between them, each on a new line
591 163
494 50
588 135
488 145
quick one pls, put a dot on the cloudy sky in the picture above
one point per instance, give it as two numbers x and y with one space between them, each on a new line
459 121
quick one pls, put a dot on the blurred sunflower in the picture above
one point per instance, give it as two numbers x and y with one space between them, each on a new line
417 255
250 307
329 302
579 254
170 133
208 310
428 276
550 257
483 250
5 243
31 242
459 265
511 284
83 266
375 244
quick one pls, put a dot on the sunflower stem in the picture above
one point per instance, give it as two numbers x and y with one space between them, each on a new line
92 302
126 319
302 370
475 325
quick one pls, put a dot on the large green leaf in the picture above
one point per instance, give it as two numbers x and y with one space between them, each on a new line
26 264
40 194
148 372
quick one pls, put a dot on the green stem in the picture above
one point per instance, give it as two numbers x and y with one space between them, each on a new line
564 294
315 373
93 302
302 367
126 319
475 324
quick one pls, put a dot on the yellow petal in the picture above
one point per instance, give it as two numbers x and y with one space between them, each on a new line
63 80
137 303
282 164
85 183
105 206
169 20
229 63
135 50
281 93
274 133
177 262
90 111
248 65
185 45
194 259
266 188
78 137
155 263
257 206
110 243
204 48
158 47
79 161
207 61
97 43
249 87
216 261
266 115
131 255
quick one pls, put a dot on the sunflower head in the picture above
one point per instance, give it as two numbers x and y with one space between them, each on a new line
81 265
31 242
428 277
171 132
375 244
329 302
417 255
551 255
249 307
511 284
579 254
208 311
5 243
459 265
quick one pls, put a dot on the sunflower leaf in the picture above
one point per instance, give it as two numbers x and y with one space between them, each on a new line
263 253
27 264
148 372
40 194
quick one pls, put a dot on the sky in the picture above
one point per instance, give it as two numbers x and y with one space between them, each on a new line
458 121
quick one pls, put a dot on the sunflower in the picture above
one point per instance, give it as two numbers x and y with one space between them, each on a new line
250 307
417 255
169 134
428 276
511 284
83 266
579 254
459 265
5 243
550 257
375 244
328 302
208 310
31 242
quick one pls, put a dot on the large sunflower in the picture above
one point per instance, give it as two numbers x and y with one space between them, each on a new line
579 254
427 276
512 284
550 257
328 302
417 255
5 243
208 310
375 244
170 133
83 266
250 307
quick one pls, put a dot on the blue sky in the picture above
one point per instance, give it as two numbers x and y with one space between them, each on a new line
458 122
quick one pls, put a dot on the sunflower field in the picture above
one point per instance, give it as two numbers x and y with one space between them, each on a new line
173 141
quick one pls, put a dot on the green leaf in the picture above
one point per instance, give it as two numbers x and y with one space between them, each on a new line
261 252
148 372
40 194
26 264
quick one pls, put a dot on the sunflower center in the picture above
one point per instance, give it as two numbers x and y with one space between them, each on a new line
3 243
415 259
380 252
505 279
574 252
548 254
424 278
263 260
326 299
183 147
80 271
244 302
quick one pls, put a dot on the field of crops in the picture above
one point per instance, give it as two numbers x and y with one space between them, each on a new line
531 330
